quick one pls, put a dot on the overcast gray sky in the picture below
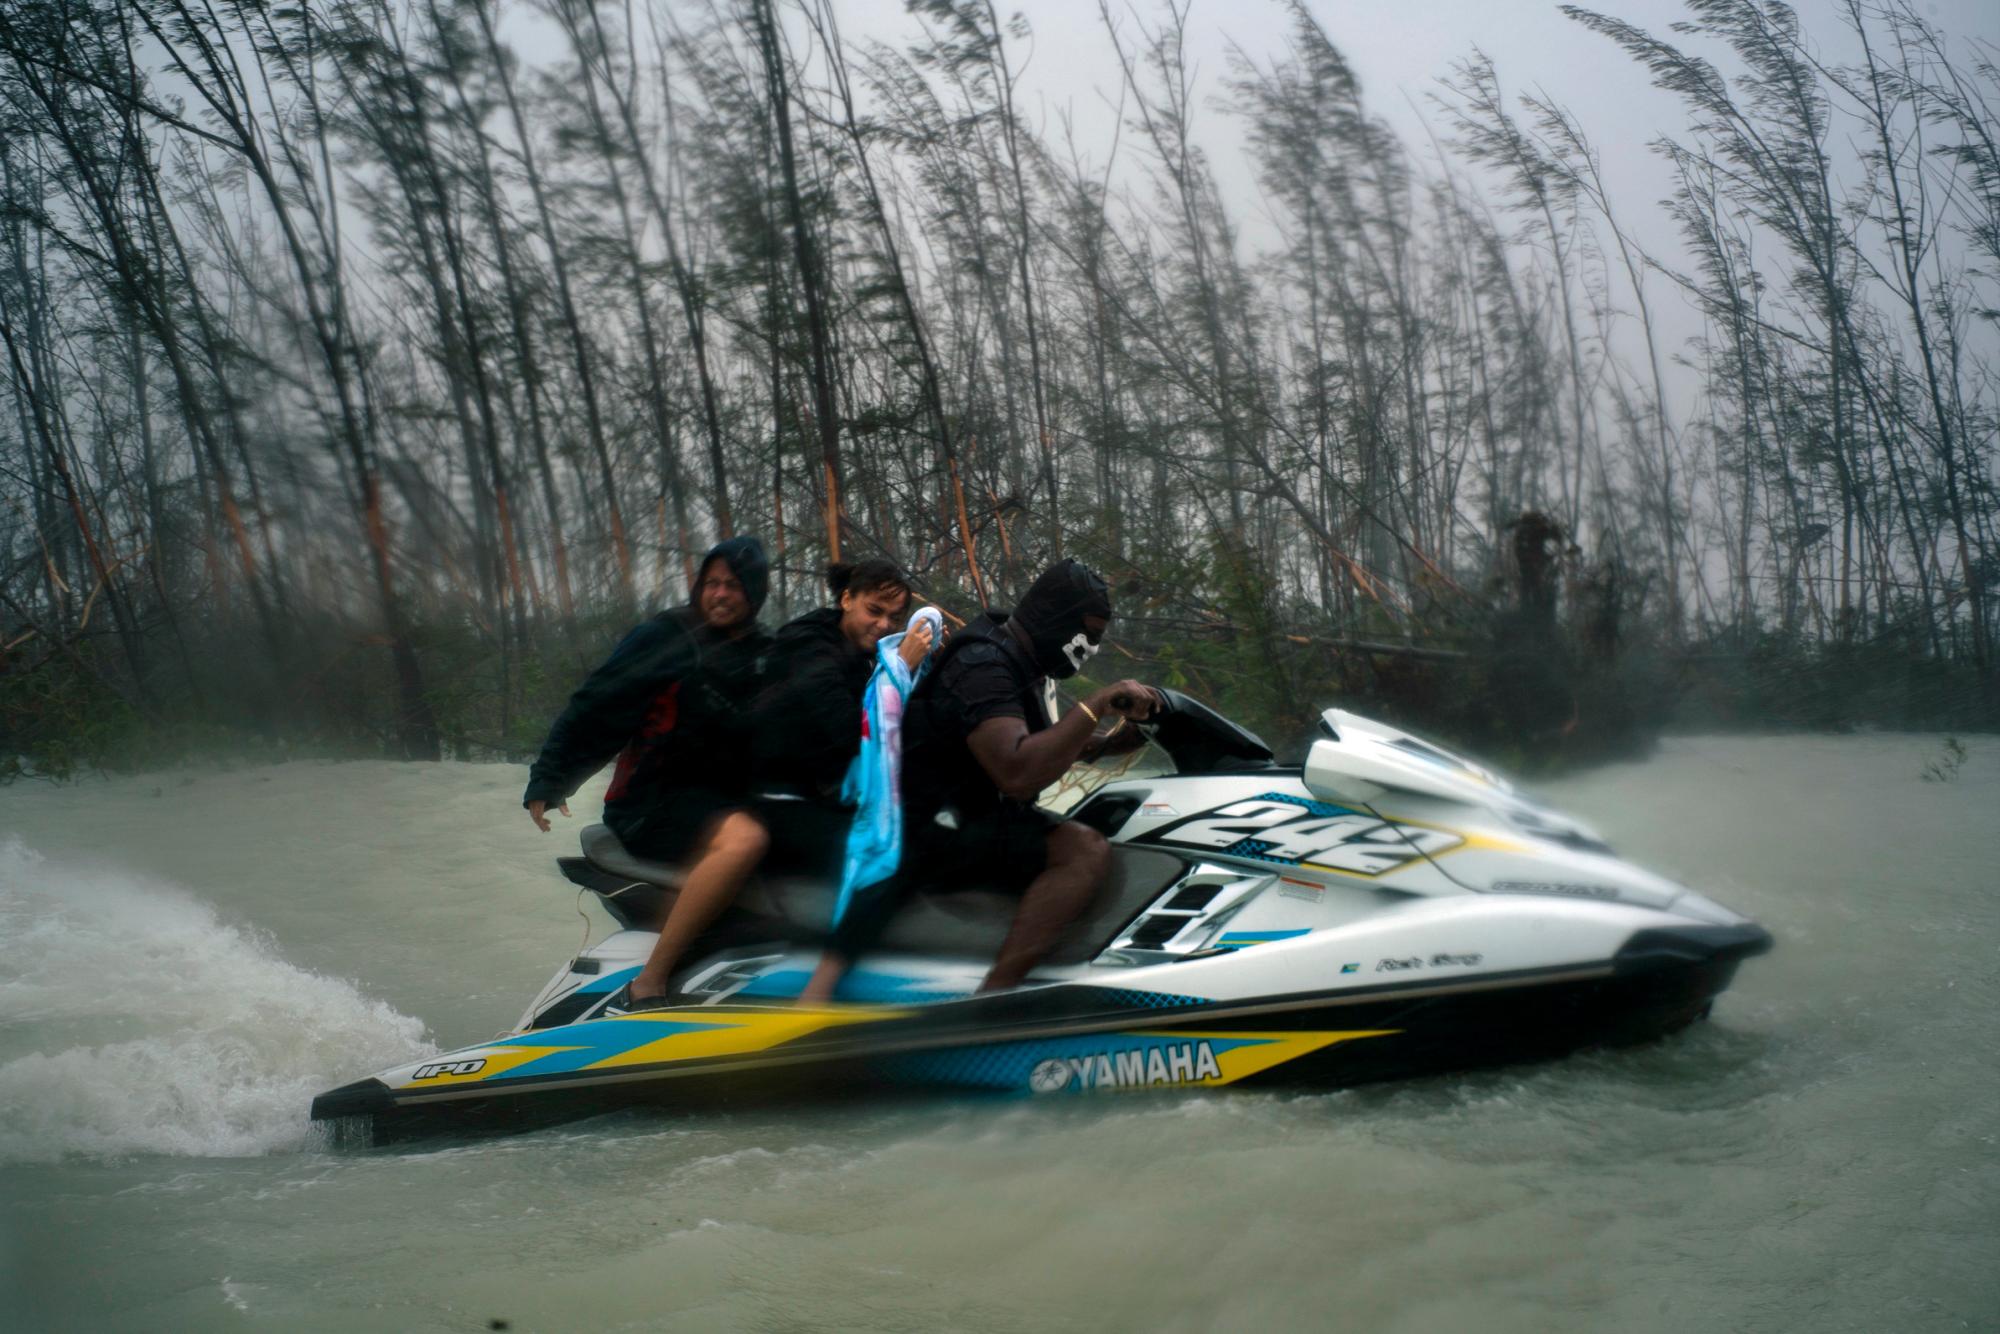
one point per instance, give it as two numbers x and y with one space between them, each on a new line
1400 49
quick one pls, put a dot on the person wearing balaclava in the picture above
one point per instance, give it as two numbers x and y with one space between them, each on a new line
672 704
980 741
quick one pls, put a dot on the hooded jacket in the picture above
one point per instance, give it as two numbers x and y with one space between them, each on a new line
671 703
809 716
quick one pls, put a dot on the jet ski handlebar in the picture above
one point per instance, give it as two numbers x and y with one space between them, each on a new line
1200 740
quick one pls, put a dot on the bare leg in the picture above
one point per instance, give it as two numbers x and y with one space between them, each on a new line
1079 859
832 967
730 855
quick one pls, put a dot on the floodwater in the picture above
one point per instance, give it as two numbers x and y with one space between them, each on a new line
186 958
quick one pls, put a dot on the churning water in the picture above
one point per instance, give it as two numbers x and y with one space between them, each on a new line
185 959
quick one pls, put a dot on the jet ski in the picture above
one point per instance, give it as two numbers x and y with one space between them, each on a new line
1386 910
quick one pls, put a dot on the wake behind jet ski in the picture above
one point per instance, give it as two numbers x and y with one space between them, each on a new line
1388 909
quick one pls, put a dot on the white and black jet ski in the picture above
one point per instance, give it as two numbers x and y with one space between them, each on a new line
1390 909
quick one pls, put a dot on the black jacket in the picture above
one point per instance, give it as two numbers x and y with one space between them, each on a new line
809 716
671 702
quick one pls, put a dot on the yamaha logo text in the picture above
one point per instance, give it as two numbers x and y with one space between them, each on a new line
1180 1063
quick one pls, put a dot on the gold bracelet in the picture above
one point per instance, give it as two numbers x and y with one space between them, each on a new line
1087 713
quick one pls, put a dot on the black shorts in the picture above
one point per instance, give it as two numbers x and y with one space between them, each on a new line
808 838
1002 849
672 828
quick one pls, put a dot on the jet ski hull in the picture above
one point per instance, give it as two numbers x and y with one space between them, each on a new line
1059 1040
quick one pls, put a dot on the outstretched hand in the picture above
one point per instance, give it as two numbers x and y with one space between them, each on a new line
536 811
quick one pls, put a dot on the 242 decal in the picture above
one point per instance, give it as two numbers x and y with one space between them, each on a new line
1281 828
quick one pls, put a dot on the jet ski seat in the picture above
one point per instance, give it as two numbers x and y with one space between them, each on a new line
606 853
970 920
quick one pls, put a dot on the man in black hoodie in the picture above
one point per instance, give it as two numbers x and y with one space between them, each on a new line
672 703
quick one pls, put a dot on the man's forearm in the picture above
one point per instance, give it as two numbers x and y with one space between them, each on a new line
1043 757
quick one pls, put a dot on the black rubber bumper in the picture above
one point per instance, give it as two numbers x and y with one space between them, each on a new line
364 1097
1672 945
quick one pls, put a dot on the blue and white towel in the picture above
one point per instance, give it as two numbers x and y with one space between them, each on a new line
874 784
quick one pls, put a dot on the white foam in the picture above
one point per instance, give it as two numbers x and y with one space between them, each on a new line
133 1020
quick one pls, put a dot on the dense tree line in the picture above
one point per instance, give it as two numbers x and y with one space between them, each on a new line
367 363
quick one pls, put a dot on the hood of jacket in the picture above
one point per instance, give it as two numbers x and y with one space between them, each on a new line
746 560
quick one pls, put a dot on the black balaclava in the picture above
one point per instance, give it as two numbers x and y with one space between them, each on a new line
745 558
1050 617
